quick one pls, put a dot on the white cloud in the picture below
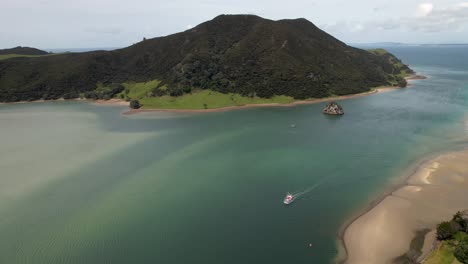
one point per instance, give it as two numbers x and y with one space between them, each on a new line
424 9
357 28
428 19
91 23
104 30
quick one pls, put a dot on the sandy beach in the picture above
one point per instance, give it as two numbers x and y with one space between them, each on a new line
113 101
433 193
121 102
295 103
235 107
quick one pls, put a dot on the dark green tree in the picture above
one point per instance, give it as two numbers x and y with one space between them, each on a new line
187 89
458 218
135 104
71 95
176 91
402 83
461 251
446 230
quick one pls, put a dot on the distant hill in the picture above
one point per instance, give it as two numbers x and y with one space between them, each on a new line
22 51
380 44
242 54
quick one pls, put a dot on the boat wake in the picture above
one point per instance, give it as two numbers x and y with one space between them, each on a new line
301 194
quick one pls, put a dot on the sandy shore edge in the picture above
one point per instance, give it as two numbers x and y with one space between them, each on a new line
295 103
120 102
343 250
438 180
113 101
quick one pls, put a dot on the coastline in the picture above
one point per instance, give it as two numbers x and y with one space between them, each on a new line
113 101
120 102
430 192
247 106
342 256
295 103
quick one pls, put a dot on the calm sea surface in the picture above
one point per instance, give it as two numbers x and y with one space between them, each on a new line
80 183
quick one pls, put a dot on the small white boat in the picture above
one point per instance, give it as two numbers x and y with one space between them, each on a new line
288 199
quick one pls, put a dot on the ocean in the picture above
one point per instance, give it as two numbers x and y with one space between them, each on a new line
81 183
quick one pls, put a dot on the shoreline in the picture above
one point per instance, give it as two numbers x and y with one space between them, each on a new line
113 101
400 198
248 106
295 103
341 259
120 102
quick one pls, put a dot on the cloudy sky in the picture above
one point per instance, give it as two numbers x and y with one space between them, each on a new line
117 23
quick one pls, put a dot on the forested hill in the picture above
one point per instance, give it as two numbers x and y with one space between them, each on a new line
22 51
242 54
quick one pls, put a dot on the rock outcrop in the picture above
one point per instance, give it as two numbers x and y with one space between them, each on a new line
333 108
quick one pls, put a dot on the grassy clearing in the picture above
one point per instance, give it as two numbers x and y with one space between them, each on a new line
460 236
443 255
378 51
199 99
138 90
207 99
9 56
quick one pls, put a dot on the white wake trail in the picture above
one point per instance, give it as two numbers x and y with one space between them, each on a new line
311 188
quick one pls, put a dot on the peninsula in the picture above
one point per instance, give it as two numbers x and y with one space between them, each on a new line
232 60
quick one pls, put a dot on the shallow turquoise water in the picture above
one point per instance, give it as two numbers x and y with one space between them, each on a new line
82 184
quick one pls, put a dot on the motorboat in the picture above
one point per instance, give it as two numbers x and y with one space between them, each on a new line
288 199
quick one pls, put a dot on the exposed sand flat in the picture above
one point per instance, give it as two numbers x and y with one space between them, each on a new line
433 193
113 101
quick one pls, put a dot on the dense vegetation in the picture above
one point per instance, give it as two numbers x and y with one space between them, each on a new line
461 251
398 71
240 54
101 92
207 99
23 51
454 237
135 104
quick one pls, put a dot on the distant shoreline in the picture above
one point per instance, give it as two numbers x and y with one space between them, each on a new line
295 103
247 106
113 101
120 102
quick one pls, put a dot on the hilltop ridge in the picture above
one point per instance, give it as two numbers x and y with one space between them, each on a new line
23 51
241 54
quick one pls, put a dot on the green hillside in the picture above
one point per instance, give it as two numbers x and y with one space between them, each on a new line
231 54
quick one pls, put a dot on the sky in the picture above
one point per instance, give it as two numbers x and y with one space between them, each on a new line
53 24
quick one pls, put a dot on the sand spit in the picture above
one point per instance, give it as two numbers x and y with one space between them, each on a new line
433 193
